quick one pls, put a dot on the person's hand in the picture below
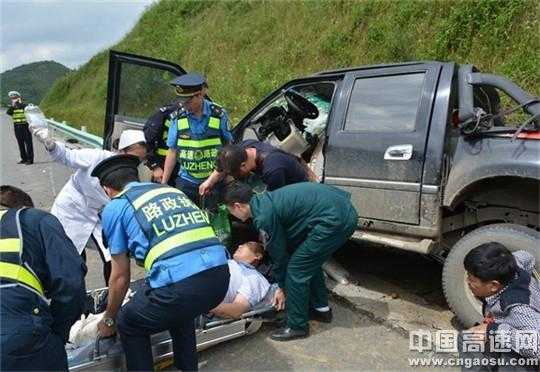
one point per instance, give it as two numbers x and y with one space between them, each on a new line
42 134
105 330
480 332
157 174
205 187
279 299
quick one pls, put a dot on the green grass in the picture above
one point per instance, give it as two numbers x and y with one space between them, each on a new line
248 48
32 80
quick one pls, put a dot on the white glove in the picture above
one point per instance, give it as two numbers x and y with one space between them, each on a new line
42 134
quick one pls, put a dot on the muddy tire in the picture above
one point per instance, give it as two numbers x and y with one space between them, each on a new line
459 297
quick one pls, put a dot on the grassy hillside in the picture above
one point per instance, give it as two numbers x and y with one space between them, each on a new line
32 80
247 48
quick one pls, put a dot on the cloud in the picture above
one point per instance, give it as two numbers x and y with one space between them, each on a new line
69 32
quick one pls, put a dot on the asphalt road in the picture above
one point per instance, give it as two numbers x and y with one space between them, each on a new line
391 293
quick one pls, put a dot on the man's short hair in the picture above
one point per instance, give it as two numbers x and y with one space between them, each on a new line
119 178
13 197
237 192
230 159
256 248
491 261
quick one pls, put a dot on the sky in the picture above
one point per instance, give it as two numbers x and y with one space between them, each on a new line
66 31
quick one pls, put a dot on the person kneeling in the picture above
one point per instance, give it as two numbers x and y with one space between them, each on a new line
247 286
510 293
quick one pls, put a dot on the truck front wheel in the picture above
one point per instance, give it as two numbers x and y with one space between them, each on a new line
460 299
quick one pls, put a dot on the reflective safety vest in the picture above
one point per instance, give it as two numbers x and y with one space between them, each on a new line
18 116
170 221
198 156
162 149
12 267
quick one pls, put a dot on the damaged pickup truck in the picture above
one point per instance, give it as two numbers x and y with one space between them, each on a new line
433 161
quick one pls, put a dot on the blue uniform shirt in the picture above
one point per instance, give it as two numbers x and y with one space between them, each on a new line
198 127
124 235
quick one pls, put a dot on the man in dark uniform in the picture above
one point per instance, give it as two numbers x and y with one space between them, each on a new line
186 265
274 167
22 133
156 132
198 131
301 226
38 264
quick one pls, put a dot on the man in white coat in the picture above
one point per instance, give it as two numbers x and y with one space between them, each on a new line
78 204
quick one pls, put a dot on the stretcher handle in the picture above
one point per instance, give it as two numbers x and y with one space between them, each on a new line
97 346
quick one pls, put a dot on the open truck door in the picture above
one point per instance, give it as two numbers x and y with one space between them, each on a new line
137 86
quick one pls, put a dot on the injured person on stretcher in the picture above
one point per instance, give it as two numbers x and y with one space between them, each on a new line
247 286
246 305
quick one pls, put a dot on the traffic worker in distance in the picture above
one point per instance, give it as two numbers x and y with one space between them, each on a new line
198 131
186 266
20 125
42 287
301 226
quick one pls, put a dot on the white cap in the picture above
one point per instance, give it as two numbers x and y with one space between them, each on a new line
130 137
13 93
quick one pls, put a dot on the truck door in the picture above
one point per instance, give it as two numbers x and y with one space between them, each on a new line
376 145
137 86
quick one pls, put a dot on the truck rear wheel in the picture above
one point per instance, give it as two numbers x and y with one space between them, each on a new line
460 299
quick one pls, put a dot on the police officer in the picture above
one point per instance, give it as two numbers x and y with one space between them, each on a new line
186 265
301 226
41 285
156 132
22 133
274 167
198 131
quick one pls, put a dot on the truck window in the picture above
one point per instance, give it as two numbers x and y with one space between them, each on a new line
384 103
143 90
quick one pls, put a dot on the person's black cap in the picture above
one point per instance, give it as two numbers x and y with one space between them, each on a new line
114 163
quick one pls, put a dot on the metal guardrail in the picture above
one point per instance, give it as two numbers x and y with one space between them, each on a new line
80 135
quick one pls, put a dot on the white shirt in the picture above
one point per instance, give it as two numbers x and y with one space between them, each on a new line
79 201
247 281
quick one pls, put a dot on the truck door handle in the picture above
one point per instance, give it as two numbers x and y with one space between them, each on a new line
399 152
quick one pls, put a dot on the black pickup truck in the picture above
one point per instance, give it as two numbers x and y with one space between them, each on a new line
433 160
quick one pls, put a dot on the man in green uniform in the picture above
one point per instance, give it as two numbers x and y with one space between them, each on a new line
301 226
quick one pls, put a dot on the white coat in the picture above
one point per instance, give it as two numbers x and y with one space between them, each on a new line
78 203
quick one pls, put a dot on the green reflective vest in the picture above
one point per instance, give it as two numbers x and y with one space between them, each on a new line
12 268
162 150
18 116
198 156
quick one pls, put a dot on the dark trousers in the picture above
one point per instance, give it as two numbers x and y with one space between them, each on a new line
24 140
304 282
173 308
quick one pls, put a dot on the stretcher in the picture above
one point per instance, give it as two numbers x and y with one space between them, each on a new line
106 353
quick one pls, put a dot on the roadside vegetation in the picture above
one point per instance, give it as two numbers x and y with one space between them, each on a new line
249 48
32 80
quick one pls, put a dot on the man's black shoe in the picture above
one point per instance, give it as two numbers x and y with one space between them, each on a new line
287 334
321 316
29 162
22 162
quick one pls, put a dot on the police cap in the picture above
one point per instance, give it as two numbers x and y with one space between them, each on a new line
114 163
13 94
188 85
